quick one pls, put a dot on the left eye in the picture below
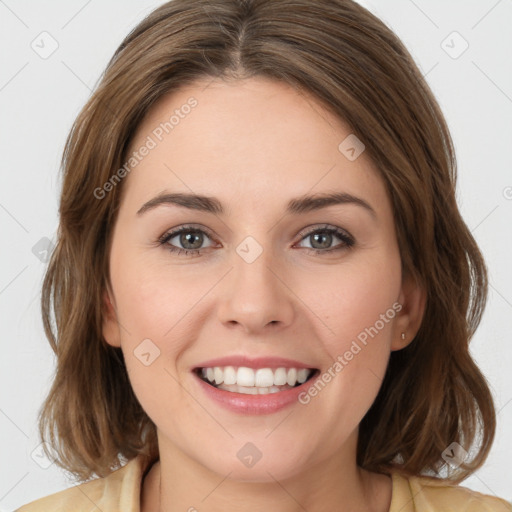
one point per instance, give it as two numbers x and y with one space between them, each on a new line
191 240
324 237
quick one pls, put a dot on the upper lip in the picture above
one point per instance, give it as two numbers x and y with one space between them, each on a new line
250 362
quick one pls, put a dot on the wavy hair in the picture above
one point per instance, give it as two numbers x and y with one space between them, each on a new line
433 393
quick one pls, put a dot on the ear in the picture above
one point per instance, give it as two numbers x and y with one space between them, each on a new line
110 328
413 299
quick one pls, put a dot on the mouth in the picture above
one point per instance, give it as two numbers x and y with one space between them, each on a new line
249 381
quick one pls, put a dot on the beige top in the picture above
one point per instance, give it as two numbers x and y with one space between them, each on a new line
120 491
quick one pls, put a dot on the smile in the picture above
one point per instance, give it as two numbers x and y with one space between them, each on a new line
254 391
251 381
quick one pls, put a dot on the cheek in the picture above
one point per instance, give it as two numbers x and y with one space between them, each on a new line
352 298
158 329
161 311
153 299
358 305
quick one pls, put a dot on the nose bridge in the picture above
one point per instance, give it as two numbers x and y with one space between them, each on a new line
254 294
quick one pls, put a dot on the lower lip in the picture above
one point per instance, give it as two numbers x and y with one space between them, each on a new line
255 404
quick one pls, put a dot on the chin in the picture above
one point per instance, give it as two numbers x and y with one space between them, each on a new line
263 470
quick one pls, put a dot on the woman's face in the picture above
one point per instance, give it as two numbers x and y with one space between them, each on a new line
252 285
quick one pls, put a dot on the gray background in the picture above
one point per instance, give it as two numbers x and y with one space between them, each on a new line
40 97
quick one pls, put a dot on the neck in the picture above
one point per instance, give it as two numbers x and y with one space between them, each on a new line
177 483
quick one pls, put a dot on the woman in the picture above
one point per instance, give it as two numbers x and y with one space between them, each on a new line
263 288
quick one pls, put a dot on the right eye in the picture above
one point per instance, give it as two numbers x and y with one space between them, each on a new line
190 238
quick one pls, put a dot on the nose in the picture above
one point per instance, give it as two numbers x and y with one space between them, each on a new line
255 296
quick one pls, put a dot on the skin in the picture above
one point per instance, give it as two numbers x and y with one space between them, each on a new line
254 145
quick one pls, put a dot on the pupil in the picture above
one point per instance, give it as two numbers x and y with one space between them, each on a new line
185 239
326 236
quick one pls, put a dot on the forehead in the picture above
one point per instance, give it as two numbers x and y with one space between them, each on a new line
255 141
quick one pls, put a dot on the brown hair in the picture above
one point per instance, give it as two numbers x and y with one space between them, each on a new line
433 393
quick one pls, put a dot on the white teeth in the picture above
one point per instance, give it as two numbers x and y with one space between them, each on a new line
245 376
218 374
292 377
229 375
262 379
302 375
280 377
253 390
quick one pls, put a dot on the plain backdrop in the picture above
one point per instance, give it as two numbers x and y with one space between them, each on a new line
463 47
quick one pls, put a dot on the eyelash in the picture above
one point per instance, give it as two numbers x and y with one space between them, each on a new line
348 241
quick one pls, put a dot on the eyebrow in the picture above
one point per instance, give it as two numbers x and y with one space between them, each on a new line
299 205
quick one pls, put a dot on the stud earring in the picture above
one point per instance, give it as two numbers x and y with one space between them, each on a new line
403 336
